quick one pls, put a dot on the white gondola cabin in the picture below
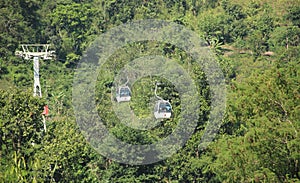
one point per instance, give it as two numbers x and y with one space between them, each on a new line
123 94
162 109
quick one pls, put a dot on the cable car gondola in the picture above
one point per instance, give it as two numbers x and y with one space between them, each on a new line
163 108
123 93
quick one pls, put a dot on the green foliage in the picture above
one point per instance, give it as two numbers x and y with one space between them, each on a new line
259 137
18 23
233 10
21 126
294 15
211 24
70 23
285 37
3 69
266 111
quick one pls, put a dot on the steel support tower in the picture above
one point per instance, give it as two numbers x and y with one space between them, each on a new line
35 52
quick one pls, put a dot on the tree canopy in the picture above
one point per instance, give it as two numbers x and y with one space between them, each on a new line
255 43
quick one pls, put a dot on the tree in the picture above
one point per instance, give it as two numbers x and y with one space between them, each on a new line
21 126
263 112
285 37
18 23
294 15
71 23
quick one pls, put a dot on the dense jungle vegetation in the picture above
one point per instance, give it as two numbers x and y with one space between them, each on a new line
256 42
